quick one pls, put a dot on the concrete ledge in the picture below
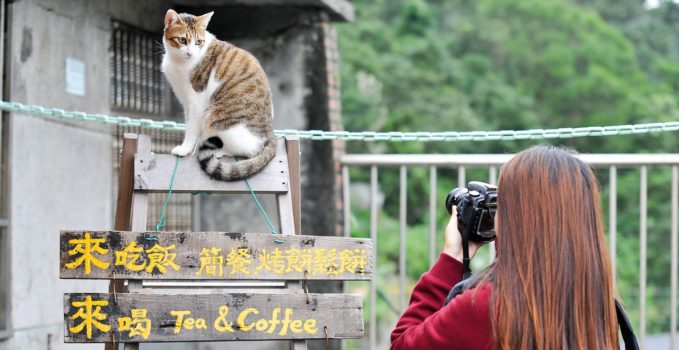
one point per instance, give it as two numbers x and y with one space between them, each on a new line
339 10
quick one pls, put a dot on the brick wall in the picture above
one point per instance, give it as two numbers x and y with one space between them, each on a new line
334 111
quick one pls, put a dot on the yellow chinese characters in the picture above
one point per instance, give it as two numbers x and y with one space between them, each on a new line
353 261
216 262
211 262
137 324
318 261
128 257
326 262
299 260
161 258
90 312
274 261
86 247
239 260
157 257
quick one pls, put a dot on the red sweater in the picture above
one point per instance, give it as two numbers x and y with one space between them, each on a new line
462 324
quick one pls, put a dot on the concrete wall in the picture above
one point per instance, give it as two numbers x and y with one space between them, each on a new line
60 174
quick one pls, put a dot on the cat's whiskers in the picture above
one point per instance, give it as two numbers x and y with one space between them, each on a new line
159 45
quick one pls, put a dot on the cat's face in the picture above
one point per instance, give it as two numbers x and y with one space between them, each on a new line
184 35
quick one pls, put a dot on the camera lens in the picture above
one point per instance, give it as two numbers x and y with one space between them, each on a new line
453 198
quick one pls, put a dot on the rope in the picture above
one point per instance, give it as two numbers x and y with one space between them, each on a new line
272 228
161 222
266 217
448 136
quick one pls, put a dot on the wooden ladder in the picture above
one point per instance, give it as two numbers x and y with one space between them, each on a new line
142 172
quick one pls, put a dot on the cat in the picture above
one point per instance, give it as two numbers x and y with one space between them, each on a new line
226 98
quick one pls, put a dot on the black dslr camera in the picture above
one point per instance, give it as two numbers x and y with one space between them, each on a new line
476 207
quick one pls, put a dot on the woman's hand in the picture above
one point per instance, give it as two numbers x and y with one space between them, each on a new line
453 245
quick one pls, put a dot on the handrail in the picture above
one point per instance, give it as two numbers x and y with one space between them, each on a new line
453 160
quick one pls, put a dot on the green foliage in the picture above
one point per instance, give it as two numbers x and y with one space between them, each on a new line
442 65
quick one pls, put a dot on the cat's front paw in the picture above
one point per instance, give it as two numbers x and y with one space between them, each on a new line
182 150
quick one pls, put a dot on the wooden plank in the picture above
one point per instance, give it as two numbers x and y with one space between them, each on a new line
124 203
140 204
125 183
286 214
290 211
153 173
293 151
212 256
139 318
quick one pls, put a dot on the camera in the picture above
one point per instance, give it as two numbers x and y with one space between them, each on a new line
476 207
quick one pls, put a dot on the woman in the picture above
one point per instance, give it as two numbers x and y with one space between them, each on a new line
551 285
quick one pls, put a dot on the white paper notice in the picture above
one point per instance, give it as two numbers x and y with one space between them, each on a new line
75 76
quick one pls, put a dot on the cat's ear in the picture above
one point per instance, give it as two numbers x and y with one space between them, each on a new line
171 17
204 19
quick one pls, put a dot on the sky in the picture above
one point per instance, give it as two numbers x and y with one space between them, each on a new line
654 3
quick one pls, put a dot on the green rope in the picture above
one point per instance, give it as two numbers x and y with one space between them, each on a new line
274 232
266 217
161 222
448 136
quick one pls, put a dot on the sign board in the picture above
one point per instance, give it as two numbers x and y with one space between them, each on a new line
212 256
139 318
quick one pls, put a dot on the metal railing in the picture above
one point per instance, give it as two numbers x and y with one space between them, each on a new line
491 162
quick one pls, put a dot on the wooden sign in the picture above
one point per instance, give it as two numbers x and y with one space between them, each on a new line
212 256
139 318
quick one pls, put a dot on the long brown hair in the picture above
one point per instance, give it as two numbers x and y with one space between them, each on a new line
553 284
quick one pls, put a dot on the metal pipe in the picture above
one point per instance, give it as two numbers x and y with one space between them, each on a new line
373 236
432 215
456 160
612 216
402 237
346 200
346 211
674 258
492 179
642 255
461 176
492 175
2 45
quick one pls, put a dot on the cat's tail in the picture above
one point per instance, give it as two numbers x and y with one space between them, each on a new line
229 171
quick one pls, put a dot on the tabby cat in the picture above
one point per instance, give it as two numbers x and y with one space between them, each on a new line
226 98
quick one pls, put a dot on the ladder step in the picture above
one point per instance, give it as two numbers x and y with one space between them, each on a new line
152 173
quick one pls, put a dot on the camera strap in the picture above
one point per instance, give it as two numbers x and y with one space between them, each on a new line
467 271
625 328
